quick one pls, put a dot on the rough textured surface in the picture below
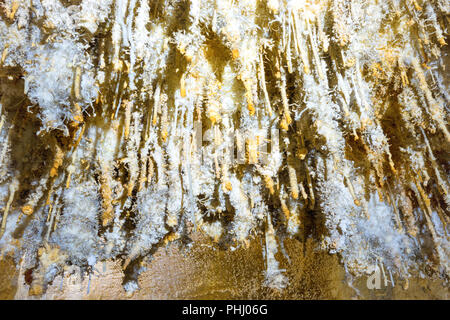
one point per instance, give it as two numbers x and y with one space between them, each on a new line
127 125
207 272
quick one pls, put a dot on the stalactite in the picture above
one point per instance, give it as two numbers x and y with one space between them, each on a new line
126 125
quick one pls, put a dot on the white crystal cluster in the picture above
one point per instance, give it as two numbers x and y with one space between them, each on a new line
102 103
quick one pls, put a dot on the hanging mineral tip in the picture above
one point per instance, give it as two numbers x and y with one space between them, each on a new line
128 125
